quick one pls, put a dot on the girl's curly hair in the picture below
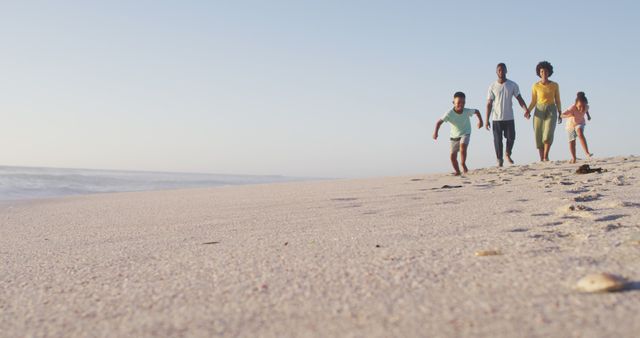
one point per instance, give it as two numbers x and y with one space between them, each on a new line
544 65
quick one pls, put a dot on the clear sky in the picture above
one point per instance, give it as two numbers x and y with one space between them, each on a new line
299 88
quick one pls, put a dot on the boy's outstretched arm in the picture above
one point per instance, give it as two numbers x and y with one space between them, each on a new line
435 133
489 106
479 119
588 116
527 113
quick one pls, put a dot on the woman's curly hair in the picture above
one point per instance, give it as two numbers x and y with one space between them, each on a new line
544 65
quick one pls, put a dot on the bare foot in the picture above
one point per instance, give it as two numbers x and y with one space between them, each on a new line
457 173
509 159
589 156
500 163
465 169
573 160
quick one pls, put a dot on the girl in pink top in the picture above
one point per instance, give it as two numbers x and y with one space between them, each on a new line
575 125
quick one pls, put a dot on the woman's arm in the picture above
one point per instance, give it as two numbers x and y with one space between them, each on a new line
534 98
557 99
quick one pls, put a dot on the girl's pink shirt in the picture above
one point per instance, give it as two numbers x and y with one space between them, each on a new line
574 117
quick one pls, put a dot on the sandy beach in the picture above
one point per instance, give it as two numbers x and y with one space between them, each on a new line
383 257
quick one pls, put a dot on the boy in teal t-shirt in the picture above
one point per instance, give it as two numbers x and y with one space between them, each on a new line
459 119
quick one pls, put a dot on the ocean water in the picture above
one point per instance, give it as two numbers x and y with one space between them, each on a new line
19 183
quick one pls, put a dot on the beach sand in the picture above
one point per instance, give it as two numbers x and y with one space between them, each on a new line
384 257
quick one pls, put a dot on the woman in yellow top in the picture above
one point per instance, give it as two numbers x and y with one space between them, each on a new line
545 98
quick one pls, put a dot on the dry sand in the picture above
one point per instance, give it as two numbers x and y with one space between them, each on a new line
355 258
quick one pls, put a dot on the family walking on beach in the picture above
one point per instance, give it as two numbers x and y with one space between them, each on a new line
546 107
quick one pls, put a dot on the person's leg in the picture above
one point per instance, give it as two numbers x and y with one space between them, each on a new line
572 145
545 152
454 163
549 129
583 141
455 147
497 140
537 131
463 157
572 149
510 135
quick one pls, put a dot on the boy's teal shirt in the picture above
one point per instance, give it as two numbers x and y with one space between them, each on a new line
460 123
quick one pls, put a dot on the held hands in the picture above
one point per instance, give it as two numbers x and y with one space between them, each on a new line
487 125
435 136
527 114
559 120
480 124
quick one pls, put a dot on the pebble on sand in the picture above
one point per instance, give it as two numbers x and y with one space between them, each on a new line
601 282
488 253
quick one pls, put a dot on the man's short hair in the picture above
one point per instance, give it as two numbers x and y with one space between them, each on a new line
459 94
501 65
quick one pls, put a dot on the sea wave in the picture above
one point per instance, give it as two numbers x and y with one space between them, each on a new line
17 183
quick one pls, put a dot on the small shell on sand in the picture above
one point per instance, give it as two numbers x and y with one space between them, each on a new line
619 180
488 253
601 282
634 241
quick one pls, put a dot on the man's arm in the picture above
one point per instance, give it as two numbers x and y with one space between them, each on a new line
557 99
527 113
489 106
477 112
435 133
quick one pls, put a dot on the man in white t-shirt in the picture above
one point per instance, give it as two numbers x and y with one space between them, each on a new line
500 102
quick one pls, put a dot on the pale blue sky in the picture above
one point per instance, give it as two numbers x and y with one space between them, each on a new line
302 88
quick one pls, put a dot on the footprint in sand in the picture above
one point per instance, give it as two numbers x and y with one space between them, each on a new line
611 227
552 224
587 197
550 235
577 190
610 218
448 202
621 204
513 211
344 199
